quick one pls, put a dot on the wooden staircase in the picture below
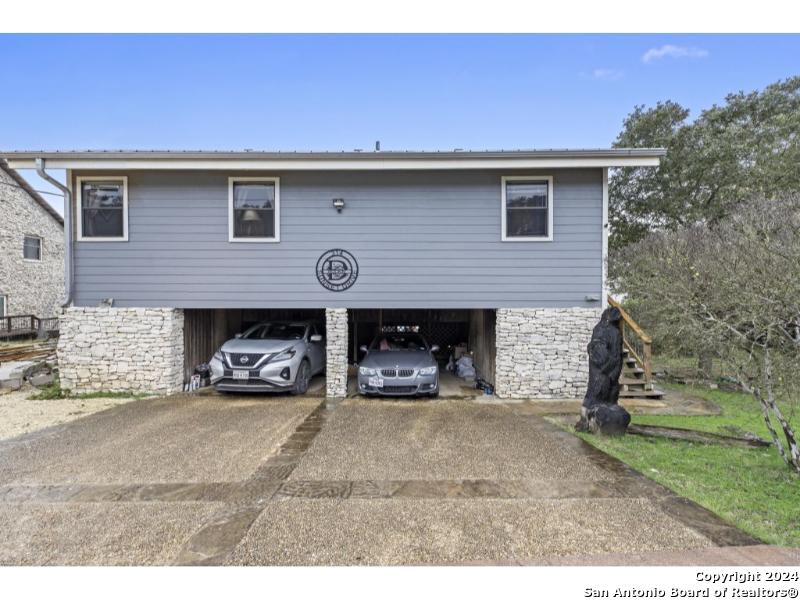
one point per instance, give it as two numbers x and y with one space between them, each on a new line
636 380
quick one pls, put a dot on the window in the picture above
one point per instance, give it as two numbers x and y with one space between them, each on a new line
3 305
32 248
253 209
397 342
527 209
103 209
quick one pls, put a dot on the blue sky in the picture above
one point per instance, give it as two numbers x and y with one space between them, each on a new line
333 92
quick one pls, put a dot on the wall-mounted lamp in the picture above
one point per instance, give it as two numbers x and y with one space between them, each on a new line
338 204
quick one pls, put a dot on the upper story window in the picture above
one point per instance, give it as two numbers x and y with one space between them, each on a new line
254 209
103 209
32 248
527 209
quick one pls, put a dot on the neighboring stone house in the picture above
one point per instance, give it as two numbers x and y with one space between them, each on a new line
31 250
175 252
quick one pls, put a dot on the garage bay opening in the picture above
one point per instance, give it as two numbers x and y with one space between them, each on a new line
462 343
265 349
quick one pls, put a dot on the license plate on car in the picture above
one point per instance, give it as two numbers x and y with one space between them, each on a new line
241 374
376 382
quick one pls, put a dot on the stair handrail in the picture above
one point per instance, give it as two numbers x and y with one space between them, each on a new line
643 354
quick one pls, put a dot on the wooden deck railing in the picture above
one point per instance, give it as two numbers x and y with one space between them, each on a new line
23 325
636 341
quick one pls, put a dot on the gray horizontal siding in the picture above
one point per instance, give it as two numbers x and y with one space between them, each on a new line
422 239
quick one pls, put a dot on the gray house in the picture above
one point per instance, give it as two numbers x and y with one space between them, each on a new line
31 251
170 253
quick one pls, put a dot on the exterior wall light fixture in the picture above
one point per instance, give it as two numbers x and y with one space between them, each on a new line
338 204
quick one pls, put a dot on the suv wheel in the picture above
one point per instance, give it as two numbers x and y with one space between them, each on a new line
301 379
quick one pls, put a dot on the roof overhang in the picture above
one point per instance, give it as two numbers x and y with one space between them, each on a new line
333 161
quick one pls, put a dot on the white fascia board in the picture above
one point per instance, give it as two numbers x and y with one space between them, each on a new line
372 164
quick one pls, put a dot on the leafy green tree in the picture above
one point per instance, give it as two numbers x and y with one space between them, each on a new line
747 147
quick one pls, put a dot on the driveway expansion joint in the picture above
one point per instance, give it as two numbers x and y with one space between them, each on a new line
262 487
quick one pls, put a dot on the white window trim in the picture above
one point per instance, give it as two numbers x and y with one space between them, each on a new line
550 208
262 240
41 248
79 181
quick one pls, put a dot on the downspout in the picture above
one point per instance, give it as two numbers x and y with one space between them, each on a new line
68 258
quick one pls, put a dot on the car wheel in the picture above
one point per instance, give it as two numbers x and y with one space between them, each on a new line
301 379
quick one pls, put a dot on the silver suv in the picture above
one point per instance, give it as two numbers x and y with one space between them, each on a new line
270 356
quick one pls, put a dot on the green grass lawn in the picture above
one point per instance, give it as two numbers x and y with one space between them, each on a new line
751 488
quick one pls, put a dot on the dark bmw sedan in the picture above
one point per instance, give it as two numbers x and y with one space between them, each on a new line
398 364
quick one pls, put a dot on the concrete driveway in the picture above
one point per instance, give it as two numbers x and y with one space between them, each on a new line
253 480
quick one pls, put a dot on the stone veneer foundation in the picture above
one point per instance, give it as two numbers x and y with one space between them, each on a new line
336 365
121 349
541 352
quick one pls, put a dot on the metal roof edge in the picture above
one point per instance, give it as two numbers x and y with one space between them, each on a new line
323 155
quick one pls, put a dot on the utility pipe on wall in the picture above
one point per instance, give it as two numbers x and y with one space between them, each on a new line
68 261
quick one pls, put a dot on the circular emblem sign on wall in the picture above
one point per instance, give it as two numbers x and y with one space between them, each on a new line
337 270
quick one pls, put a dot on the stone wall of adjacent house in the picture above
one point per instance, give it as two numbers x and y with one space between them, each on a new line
121 349
30 287
541 352
336 366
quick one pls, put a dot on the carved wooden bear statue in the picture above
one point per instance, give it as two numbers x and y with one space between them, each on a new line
600 412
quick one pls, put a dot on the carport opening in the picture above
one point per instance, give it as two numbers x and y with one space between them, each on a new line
205 330
457 332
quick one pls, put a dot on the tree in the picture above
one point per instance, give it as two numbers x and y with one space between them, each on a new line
748 147
731 288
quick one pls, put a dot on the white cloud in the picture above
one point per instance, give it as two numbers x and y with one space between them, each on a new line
607 74
670 51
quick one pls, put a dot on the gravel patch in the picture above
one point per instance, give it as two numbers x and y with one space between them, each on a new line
97 534
385 440
398 532
19 414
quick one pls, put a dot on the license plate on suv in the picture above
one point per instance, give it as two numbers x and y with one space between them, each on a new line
241 374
